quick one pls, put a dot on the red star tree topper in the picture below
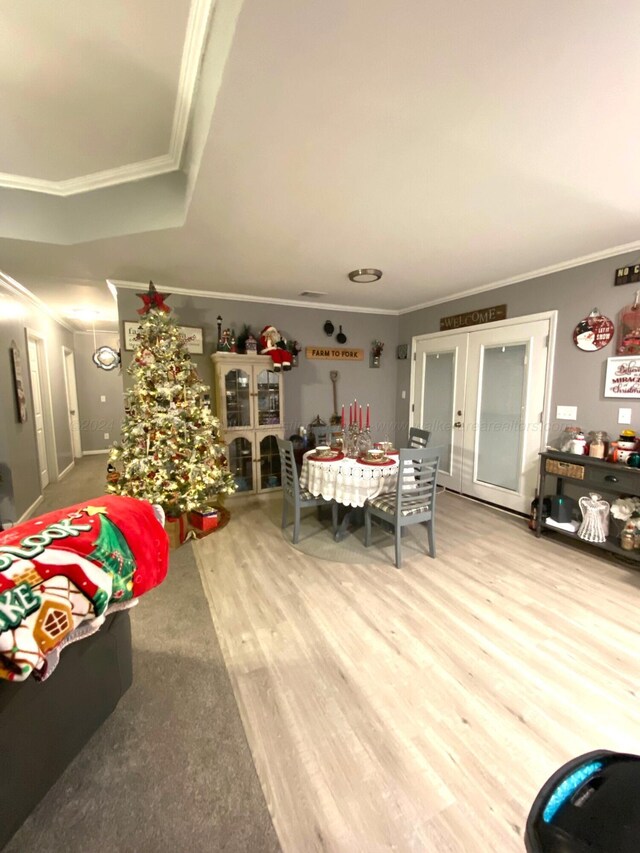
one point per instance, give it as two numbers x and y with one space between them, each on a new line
153 299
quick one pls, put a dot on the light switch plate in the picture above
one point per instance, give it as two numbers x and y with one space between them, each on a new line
404 395
106 435
624 416
103 399
566 413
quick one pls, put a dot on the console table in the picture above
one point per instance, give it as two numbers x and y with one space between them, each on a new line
590 475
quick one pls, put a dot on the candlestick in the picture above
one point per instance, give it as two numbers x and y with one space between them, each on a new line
360 419
368 417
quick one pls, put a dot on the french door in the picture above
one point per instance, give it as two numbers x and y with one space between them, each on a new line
482 395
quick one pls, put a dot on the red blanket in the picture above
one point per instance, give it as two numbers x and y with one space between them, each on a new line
70 567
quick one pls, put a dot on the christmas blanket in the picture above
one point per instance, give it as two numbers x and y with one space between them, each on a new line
61 573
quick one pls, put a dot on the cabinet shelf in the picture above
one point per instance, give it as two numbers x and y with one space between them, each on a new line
587 475
611 543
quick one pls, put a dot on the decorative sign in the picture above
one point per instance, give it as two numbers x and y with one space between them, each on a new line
627 275
473 318
21 397
334 353
402 350
193 335
593 333
622 378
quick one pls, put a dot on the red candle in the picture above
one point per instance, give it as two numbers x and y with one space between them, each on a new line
342 420
368 418
360 424
350 414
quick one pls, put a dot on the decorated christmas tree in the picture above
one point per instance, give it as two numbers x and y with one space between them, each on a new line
170 451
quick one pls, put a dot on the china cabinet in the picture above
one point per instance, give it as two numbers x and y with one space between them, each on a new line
250 406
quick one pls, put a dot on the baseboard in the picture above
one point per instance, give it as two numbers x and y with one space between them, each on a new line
66 471
95 452
27 513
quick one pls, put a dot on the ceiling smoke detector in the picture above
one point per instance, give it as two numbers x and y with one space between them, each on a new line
365 276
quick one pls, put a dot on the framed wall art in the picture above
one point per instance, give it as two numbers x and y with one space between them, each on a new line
623 377
21 397
194 336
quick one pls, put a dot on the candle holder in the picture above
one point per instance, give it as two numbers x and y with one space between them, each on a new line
364 443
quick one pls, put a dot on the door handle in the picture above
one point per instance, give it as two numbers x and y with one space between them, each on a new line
611 479
458 424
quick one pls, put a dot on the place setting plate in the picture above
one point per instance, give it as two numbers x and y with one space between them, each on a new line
326 456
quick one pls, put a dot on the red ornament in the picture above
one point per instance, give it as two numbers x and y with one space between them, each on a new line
153 299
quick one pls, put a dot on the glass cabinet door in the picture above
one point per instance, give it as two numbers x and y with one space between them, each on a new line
268 389
237 398
240 458
269 463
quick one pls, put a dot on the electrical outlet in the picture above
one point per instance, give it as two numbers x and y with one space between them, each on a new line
566 413
103 399
624 416
106 435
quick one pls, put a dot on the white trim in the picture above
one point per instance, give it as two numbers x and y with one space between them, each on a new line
194 45
96 452
16 289
67 351
47 404
244 297
27 513
496 324
516 279
324 306
66 471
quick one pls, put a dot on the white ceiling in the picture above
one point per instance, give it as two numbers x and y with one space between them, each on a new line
451 144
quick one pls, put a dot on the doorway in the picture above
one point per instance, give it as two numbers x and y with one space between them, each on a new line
483 394
38 376
69 362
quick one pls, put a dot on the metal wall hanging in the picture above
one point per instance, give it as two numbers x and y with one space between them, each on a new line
106 358
593 332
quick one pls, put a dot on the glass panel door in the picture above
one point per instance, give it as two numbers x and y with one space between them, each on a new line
237 398
437 407
269 463
240 458
501 407
439 396
268 398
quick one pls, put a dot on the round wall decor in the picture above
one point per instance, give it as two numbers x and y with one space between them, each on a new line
593 333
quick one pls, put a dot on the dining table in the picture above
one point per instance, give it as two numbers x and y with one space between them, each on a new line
348 481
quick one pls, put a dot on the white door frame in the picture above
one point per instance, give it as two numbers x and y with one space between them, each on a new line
47 400
72 404
551 316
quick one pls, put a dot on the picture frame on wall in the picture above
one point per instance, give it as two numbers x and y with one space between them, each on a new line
622 378
21 397
193 334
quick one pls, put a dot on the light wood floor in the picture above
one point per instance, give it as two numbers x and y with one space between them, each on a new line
421 709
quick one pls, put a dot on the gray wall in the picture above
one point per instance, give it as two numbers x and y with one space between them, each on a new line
20 485
578 378
97 417
308 388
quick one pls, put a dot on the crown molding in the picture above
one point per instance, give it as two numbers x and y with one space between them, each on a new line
21 292
267 300
195 39
516 279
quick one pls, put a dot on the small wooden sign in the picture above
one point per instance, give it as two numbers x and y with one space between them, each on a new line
627 275
473 318
334 353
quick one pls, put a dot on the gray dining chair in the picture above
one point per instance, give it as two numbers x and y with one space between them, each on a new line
295 495
414 500
418 437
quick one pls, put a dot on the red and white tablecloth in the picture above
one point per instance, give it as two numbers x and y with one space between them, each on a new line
347 481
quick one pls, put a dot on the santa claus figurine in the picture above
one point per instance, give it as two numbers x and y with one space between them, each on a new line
271 344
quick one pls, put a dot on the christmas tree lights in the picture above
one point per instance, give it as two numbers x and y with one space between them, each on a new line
170 451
